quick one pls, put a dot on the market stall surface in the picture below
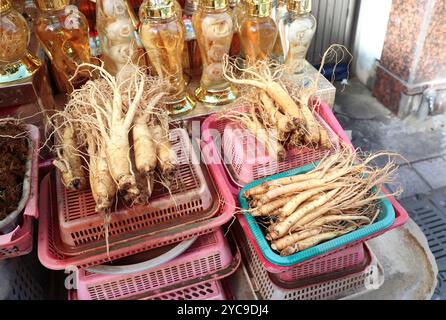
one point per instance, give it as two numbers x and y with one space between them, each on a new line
422 174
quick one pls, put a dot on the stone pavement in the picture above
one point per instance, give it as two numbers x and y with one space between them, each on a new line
422 172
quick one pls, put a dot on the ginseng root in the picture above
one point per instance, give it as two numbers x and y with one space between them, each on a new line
165 154
102 185
69 162
313 240
291 239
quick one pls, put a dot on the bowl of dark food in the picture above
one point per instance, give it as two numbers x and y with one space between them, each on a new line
15 171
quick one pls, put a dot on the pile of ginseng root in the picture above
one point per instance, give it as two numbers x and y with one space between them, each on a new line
116 129
339 195
276 113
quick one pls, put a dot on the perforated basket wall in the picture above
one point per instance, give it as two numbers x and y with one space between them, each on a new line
208 255
245 157
212 290
342 260
370 278
337 262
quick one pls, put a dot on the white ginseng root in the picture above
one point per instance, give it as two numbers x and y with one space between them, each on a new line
313 240
339 195
102 186
69 161
166 156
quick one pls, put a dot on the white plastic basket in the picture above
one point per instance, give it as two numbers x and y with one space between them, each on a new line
371 278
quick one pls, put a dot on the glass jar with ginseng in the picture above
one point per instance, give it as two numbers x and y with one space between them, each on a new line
257 30
162 33
117 35
297 28
214 27
63 33
15 61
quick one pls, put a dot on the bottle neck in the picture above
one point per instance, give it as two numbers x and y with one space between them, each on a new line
212 11
49 13
161 21
297 15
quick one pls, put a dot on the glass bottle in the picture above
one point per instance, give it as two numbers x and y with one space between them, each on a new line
277 12
297 28
117 35
214 26
258 31
162 33
234 5
192 56
15 61
88 8
63 33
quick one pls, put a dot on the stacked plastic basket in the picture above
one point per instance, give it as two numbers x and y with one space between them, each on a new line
173 248
17 240
335 269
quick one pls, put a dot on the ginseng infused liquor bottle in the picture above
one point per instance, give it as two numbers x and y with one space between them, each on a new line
16 62
63 33
214 26
297 28
162 32
257 30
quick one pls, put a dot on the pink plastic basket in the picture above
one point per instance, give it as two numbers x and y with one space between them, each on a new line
51 257
191 198
244 157
339 261
211 290
210 150
369 277
208 255
20 241
333 263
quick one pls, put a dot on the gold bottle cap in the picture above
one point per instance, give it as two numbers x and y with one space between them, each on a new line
51 5
5 6
259 8
299 6
214 4
157 9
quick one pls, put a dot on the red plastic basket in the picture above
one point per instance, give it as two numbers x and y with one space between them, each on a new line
245 158
20 241
51 257
209 255
211 290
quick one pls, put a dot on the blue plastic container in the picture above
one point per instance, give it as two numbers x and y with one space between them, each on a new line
384 220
